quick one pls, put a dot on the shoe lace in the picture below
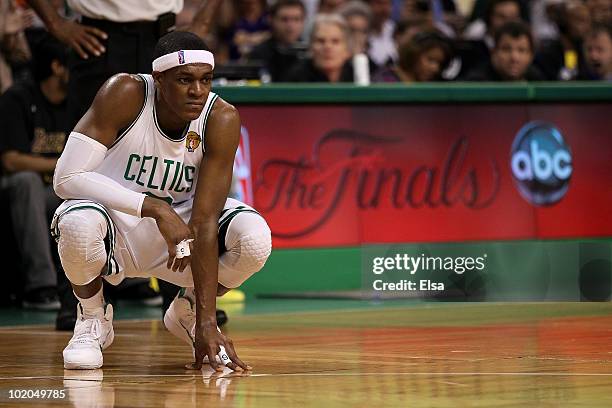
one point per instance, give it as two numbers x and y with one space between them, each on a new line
89 331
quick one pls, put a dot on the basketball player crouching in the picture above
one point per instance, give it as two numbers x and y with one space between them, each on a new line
145 174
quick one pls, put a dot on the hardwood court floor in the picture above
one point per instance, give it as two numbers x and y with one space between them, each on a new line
448 354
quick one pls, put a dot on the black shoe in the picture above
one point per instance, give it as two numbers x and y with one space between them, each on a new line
41 299
140 292
221 317
65 321
67 315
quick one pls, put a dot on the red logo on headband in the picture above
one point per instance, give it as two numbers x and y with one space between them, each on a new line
181 57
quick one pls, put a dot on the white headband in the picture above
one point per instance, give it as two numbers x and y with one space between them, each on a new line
183 57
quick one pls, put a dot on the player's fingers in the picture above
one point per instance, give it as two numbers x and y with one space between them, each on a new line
212 360
197 364
96 32
91 44
184 262
171 255
177 264
234 367
234 357
79 50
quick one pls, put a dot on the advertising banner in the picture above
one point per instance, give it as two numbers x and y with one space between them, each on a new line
340 175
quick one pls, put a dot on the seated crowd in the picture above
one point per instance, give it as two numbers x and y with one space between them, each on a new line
416 40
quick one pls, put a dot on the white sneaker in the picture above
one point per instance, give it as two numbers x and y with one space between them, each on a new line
180 320
91 336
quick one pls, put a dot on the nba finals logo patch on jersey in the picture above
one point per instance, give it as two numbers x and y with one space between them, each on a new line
193 141
181 57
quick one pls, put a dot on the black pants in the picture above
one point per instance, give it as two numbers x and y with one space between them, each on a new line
129 48
31 206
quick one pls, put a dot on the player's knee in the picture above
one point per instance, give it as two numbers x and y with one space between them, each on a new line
256 247
254 242
81 245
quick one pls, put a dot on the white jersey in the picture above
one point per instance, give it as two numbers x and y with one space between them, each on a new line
122 11
145 160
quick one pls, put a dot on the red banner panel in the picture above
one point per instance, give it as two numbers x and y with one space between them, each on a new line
349 175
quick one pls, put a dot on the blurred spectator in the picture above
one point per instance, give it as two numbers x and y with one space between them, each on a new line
185 22
543 28
480 42
412 8
422 58
33 134
480 9
330 50
406 29
283 49
14 49
249 28
495 14
382 49
562 59
409 27
330 6
601 11
443 13
358 16
598 53
312 9
511 56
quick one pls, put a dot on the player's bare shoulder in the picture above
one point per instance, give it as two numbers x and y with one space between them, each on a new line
119 99
223 128
116 105
123 93
224 111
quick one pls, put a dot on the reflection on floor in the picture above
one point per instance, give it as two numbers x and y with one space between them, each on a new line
340 354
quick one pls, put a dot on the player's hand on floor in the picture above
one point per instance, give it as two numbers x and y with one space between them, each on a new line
212 343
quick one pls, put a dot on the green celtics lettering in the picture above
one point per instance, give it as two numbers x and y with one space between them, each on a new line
175 176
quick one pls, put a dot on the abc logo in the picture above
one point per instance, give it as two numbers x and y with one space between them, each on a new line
541 163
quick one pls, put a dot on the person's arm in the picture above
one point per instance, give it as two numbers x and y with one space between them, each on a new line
83 39
214 180
14 45
14 161
202 21
115 106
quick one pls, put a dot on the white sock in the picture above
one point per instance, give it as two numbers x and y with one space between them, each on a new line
93 306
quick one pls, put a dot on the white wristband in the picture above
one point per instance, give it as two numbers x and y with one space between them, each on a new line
182 249
225 360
